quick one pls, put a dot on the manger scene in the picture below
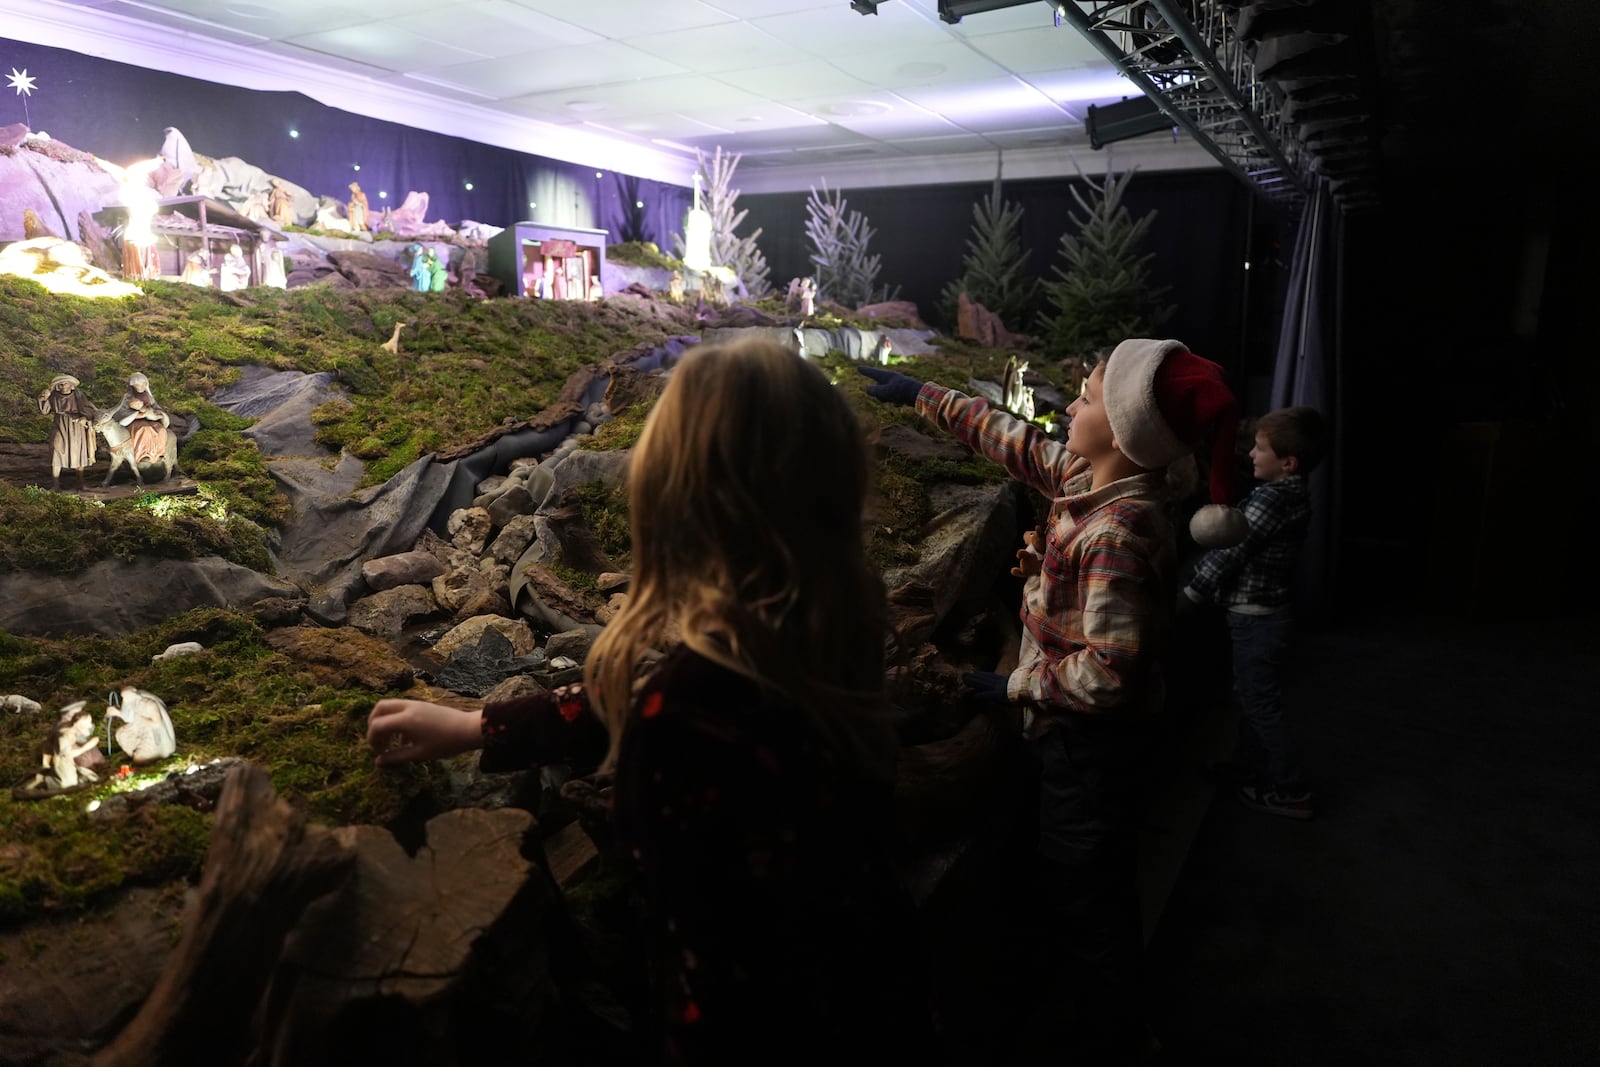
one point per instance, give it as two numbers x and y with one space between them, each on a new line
388 459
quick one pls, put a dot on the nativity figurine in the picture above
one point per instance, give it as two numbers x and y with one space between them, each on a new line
72 432
280 203
675 287
358 210
69 758
146 733
272 269
235 272
144 420
596 290
808 297
421 275
195 271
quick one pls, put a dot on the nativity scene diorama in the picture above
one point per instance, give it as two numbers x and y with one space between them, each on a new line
352 454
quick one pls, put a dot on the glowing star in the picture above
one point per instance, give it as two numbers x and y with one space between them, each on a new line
20 81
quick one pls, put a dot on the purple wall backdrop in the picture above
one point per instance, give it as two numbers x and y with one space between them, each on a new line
119 112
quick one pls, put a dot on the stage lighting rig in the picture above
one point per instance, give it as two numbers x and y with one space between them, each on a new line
865 7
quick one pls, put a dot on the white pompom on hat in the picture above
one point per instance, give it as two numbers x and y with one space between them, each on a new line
1161 400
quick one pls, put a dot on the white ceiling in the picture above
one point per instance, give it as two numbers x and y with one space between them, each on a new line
803 89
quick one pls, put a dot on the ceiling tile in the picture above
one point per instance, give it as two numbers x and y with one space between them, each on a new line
621 19
907 65
1024 16
711 49
837 30
383 45
1038 49
493 28
935 146
794 81
648 96
763 115
1102 85
285 18
604 63
750 9
994 104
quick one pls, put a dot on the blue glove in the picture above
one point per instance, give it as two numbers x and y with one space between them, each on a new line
893 387
987 686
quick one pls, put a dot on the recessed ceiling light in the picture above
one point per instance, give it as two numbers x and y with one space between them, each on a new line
855 107
585 105
919 70
249 11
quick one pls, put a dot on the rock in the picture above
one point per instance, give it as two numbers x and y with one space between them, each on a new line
368 271
573 644
513 688
470 632
513 540
343 657
390 611
35 604
182 648
56 186
508 505
277 611
489 598
612 581
977 323
477 670
488 486
570 855
404 568
894 309
914 445
469 529
466 584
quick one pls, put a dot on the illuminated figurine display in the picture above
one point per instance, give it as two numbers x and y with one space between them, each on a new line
195 271
145 421
72 434
146 732
421 275
235 270
272 270
596 290
808 297
280 203
438 271
69 757
675 287
358 210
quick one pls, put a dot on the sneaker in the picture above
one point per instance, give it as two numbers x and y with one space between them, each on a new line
1291 804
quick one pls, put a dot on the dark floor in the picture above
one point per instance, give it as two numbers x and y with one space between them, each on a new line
1444 905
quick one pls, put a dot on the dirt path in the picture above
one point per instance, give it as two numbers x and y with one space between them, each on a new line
25 465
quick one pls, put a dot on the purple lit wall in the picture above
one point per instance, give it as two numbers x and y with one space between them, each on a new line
119 112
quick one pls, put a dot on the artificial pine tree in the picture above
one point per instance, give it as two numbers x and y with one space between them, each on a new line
633 223
1103 293
994 272
846 273
727 248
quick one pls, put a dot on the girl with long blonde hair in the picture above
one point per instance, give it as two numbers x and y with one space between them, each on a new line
754 759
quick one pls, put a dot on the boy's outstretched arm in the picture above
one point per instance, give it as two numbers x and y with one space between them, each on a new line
1025 451
1217 568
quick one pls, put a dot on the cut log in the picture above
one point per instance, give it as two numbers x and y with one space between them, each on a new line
264 866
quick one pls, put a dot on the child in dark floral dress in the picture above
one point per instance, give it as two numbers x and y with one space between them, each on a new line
754 761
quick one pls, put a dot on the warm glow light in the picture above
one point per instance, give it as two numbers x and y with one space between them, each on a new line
94 805
598 174
469 187
357 166
140 199
294 133
697 239
638 203
383 194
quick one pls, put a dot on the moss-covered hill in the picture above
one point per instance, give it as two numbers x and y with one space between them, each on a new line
464 367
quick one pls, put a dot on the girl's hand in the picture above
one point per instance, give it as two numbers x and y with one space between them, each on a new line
404 731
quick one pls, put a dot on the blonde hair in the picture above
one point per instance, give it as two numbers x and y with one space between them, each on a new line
746 491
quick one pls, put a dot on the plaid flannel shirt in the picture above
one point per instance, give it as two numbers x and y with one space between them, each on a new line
1260 569
1101 599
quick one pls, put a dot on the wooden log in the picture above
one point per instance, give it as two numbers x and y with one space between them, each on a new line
264 866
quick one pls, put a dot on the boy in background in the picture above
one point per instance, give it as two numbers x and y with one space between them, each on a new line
1254 581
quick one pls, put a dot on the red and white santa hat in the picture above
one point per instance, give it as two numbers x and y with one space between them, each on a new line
1161 401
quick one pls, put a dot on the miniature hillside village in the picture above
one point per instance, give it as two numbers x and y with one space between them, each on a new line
386 476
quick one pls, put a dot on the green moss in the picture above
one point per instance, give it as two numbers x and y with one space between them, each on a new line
239 698
605 512
642 254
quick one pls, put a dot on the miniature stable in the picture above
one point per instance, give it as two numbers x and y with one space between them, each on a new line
190 226
549 262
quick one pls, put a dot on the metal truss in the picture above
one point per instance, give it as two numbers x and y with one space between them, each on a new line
1189 60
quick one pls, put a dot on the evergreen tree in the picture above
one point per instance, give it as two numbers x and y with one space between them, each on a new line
994 272
1103 293
727 248
633 221
846 273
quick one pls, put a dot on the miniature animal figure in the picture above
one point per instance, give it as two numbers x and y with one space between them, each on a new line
68 757
33 226
146 733
392 345
18 703
675 287
72 433
121 444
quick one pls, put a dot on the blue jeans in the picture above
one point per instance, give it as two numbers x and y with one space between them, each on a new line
1260 649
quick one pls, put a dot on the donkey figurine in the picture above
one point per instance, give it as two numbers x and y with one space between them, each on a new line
120 443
